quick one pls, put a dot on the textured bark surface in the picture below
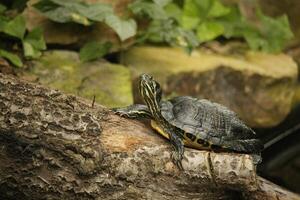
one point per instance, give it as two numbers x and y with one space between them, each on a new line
57 146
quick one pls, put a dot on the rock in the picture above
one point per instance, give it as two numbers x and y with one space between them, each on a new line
258 86
75 34
295 54
110 83
296 99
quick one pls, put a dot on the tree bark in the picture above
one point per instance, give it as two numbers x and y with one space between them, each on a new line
57 146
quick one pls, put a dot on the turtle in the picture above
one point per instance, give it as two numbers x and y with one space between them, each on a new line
192 122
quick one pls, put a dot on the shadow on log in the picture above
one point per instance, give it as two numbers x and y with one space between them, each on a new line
57 146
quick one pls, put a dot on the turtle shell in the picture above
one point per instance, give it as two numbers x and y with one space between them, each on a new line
211 122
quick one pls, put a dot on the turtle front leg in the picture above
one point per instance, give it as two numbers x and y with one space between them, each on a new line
177 154
133 111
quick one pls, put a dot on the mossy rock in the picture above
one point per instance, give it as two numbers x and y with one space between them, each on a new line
109 83
258 86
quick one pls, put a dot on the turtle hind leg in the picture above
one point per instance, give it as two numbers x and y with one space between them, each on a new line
177 154
133 111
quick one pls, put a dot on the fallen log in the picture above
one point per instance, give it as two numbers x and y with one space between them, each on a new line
58 146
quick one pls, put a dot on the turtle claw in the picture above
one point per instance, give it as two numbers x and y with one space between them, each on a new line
134 111
177 159
120 112
177 154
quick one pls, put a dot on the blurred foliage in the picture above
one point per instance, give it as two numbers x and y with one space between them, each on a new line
208 20
164 25
185 23
77 11
86 14
13 32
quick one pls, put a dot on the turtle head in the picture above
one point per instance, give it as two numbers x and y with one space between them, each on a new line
151 91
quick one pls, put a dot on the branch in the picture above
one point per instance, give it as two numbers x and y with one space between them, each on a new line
58 146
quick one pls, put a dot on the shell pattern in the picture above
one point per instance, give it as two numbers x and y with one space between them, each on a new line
211 122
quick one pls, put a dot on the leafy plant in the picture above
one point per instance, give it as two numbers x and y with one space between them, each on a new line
206 20
185 23
34 43
269 35
210 19
14 27
164 24
86 14
14 31
202 16
14 59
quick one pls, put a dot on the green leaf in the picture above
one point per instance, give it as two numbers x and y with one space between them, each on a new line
30 51
259 35
3 21
189 39
124 28
16 27
159 31
173 11
34 43
209 30
60 14
94 50
96 11
189 23
55 11
2 8
164 27
254 40
234 24
191 9
35 37
162 3
203 6
80 19
148 9
276 32
74 11
196 12
166 31
190 15
14 59
218 9
209 9
83 13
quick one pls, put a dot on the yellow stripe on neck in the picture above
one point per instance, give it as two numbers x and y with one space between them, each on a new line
156 127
